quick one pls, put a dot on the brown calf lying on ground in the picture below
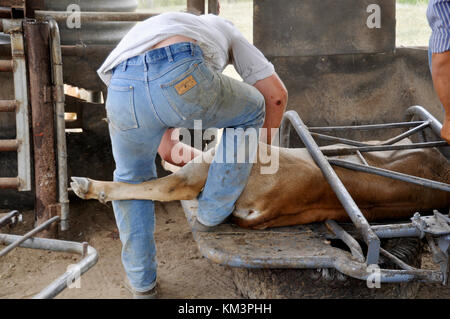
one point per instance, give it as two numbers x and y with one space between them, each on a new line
298 193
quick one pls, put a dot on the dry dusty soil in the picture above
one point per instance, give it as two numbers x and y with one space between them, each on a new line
183 272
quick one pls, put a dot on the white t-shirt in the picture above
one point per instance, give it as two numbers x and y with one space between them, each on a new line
221 42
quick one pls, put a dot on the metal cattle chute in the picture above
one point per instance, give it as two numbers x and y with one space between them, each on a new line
303 247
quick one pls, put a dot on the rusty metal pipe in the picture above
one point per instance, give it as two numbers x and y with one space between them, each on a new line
213 7
196 6
38 53
9 145
9 183
87 17
6 65
8 105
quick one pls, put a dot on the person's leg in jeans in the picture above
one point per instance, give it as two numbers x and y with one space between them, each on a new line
135 136
241 109
220 102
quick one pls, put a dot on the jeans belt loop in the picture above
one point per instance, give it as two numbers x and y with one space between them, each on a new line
124 65
169 54
192 48
144 61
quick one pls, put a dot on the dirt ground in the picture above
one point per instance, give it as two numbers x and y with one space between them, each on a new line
182 273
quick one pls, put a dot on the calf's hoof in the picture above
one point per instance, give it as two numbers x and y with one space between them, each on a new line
80 186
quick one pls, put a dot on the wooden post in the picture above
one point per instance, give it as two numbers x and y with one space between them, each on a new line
196 6
213 6
37 36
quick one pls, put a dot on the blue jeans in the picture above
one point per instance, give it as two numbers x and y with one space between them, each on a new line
160 89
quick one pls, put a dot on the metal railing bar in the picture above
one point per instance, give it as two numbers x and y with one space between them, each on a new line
58 82
361 158
8 105
391 174
6 65
9 145
88 16
407 133
424 115
29 235
338 139
9 182
396 231
58 285
379 148
367 127
396 260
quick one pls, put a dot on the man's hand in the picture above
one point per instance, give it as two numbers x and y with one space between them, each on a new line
441 79
276 96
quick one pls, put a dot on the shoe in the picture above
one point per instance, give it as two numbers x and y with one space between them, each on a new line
199 227
149 294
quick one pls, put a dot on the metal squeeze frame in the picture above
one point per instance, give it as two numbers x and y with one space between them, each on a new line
89 254
436 229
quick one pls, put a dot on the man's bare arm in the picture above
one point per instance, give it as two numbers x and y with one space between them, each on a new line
441 79
168 152
276 96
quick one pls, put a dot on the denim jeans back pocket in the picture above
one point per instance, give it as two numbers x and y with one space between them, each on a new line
120 108
192 93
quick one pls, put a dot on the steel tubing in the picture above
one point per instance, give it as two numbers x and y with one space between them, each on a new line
8 105
341 192
9 145
61 146
391 174
28 235
6 65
